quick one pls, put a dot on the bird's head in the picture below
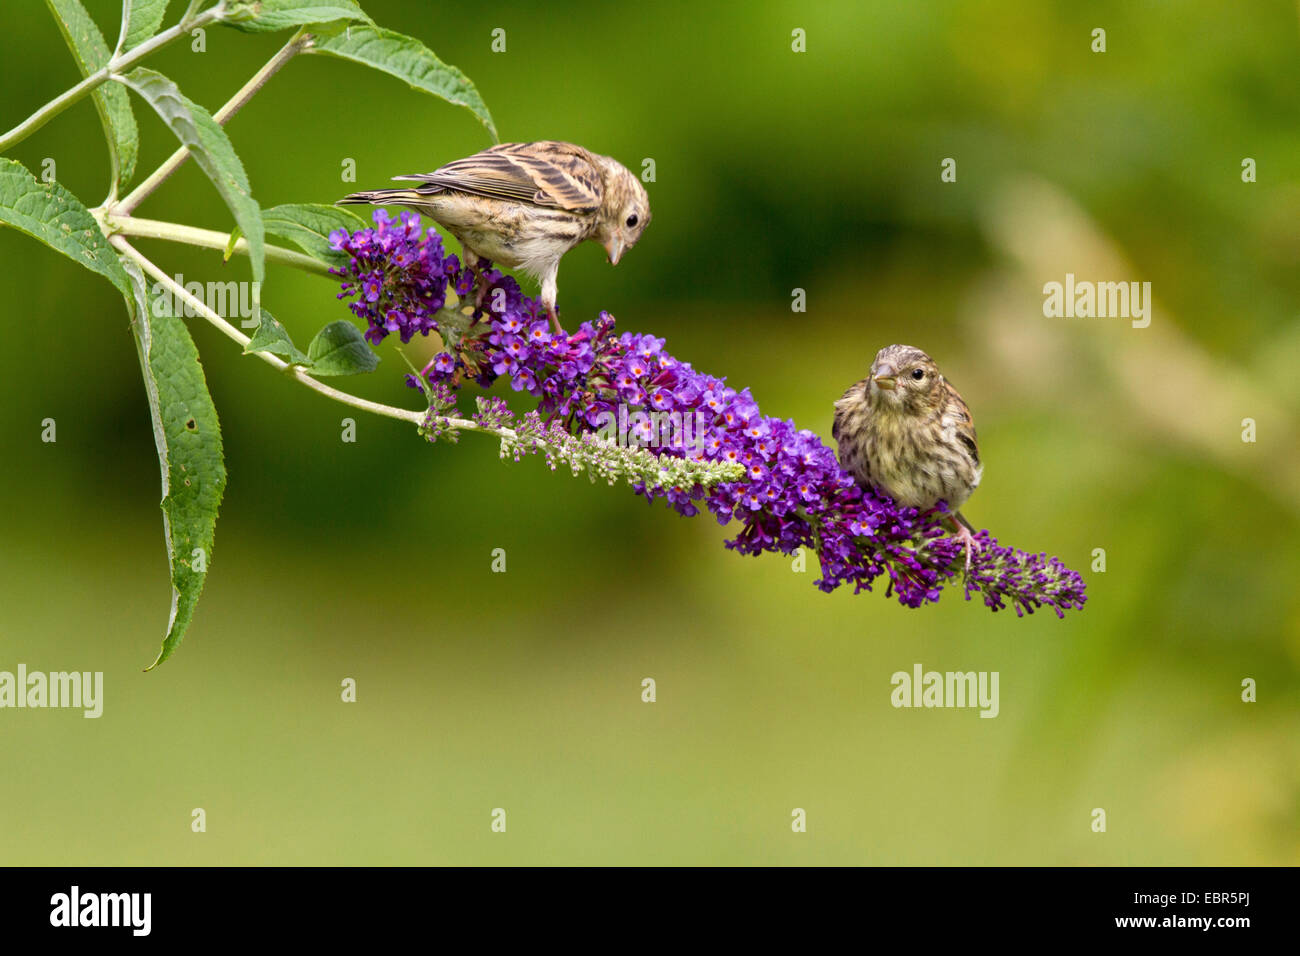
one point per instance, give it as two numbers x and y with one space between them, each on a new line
625 212
904 380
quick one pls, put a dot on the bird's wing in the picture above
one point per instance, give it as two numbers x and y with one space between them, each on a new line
965 430
842 408
551 174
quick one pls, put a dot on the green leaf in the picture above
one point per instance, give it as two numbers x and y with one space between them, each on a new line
111 101
207 141
188 436
48 212
264 16
339 349
235 235
272 337
141 20
307 226
407 59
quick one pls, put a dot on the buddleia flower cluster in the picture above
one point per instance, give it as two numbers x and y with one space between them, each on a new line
598 389
397 276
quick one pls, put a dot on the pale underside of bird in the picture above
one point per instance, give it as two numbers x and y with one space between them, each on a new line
907 432
524 205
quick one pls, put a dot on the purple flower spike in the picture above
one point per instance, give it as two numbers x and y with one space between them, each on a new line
593 383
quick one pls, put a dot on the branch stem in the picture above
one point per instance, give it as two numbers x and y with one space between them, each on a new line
232 333
116 64
300 41
207 239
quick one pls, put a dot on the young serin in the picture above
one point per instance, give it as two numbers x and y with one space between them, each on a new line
524 205
906 431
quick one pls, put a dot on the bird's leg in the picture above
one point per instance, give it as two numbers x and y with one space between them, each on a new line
479 266
968 539
965 536
550 288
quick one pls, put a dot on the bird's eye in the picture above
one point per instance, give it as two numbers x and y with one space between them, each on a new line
632 220
918 373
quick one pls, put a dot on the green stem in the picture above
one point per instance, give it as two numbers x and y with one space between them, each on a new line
300 41
205 238
121 33
117 64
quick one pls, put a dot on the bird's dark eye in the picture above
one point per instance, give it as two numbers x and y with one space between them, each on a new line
632 220
918 373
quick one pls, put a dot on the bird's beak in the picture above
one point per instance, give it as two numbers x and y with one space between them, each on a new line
884 377
614 249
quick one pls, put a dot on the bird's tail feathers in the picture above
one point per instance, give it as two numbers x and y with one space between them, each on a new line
386 197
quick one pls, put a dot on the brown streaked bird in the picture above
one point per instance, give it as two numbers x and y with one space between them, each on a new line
906 431
524 205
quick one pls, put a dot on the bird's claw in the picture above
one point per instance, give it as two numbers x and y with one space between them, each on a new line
968 540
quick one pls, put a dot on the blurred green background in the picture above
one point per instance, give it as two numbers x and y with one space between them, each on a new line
775 171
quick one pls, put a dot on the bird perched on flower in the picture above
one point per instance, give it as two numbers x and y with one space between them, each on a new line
904 430
524 205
